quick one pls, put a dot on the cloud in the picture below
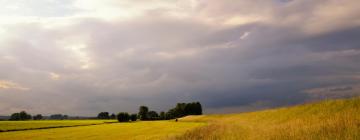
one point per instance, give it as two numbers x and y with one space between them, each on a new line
91 56
11 85
54 76
338 91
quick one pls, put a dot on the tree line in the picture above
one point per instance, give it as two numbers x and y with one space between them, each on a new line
22 116
144 114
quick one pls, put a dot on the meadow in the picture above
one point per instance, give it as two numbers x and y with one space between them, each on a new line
140 130
326 120
21 125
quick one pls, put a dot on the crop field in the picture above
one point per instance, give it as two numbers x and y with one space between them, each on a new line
131 130
20 125
327 120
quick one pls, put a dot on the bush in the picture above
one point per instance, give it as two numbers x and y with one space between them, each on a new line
123 117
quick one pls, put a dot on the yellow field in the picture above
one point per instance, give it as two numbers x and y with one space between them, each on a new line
115 131
327 120
16 125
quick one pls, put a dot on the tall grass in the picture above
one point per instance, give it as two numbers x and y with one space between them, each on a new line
327 120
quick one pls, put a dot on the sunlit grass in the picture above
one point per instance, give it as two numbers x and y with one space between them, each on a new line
327 120
337 119
16 125
118 131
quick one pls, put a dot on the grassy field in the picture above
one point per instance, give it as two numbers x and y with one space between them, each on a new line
17 125
327 120
114 131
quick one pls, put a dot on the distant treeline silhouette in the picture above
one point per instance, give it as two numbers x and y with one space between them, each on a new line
22 116
144 114
181 110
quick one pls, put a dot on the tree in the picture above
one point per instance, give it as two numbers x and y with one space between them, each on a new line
15 117
123 117
112 116
103 115
183 109
170 114
58 117
198 109
152 115
20 116
162 115
25 116
38 117
133 117
180 110
143 112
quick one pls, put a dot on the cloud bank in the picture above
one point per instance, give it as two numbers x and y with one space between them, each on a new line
86 56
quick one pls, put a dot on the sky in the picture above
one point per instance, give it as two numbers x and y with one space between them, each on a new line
82 57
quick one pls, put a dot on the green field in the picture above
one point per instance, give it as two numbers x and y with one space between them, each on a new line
333 119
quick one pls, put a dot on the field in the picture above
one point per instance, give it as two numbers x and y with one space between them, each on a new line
131 130
332 119
21 125
327 120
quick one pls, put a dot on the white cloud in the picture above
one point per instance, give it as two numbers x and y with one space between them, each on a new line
80 54
54 76
245 35
11 85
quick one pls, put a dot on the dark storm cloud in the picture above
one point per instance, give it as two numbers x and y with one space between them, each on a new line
92 64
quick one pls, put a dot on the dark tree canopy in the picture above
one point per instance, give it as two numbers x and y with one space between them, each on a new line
180 110
143 112
112 116
133 117
162 115
170 114
38 117
152 115
123 117
103 115
184 109
58 117
20 116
